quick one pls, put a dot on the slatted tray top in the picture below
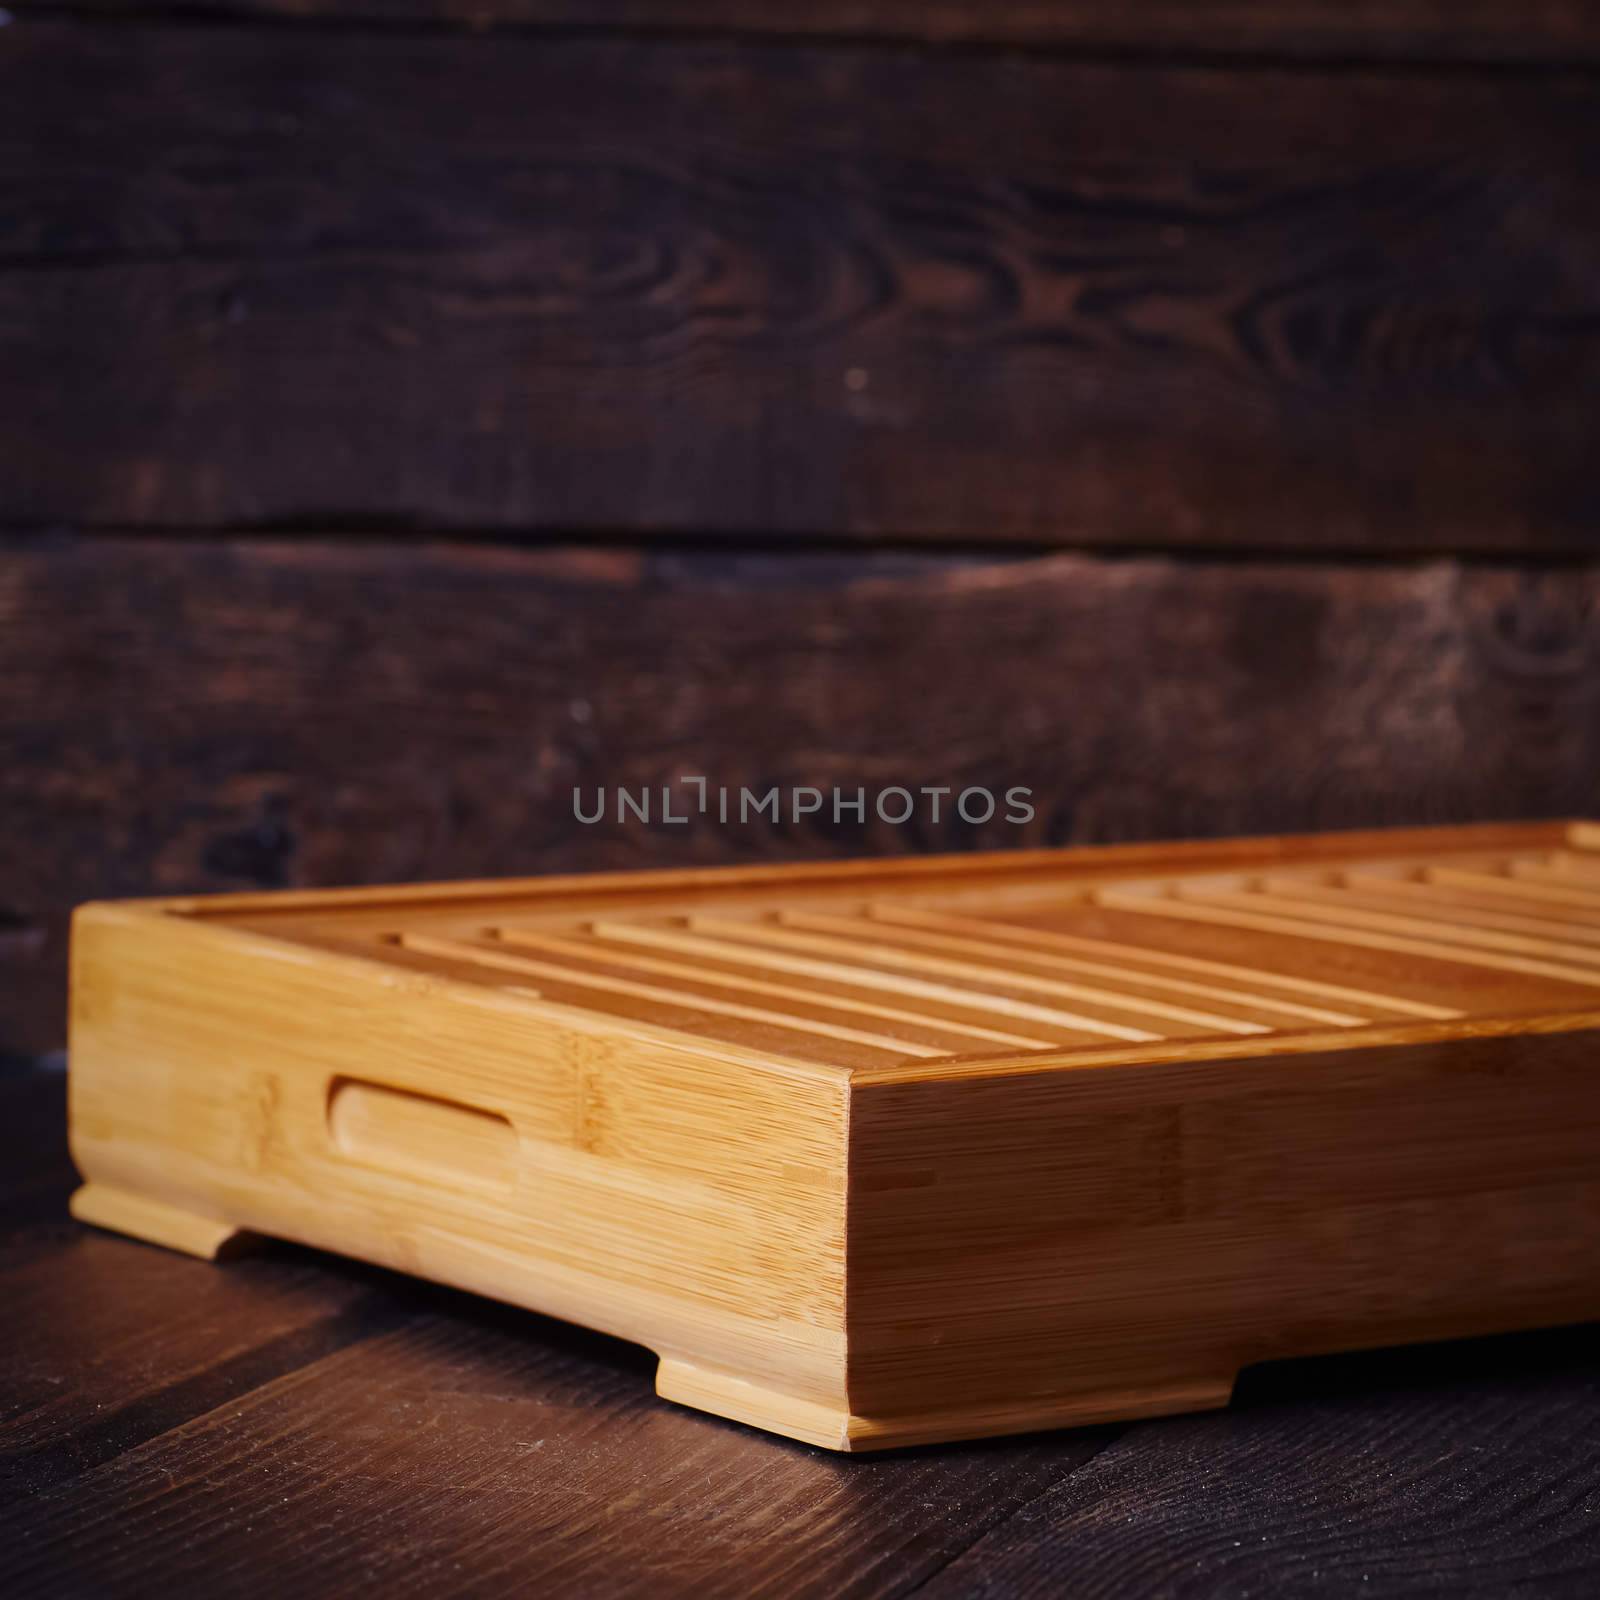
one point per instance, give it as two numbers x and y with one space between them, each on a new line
960 963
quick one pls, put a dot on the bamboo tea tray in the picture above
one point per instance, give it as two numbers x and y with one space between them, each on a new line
881 1153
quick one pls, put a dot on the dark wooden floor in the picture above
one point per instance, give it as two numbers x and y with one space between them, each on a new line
295 1424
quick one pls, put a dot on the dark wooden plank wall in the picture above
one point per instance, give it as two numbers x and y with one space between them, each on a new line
544 284
1431 31
413 409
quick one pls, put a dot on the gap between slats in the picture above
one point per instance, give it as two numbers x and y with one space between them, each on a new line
1463 906
616 943
558 972
1298 984
912 944
1263 913
595 948
685 939
1337 904
965 974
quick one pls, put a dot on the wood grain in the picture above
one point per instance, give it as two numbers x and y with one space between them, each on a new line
184 717
623 1204
855 1239
106 1349
1377 30
1467 1468
519 1454
514 1454
1463 1470
104 1345
687 288
512 1449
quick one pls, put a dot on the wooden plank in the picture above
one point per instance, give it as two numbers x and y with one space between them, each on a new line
487 1450
188 717
108 1343
686 288
1376 30
1464 1470
38 1173
111 1343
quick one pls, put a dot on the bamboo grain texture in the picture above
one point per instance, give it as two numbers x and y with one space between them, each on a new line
882 1153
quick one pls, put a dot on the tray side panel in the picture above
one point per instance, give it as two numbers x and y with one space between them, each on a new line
691 1202
1062 1246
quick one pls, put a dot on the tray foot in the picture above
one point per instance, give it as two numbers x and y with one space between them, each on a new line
740 1400
1082 1410
159 1223
814 1422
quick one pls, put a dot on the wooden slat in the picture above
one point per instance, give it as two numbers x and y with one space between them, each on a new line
1576 889
1340 906
928 975
1463 908
1126 961
602 981
799 999
1530 894
1560 31
685 288
1003 965
1475 903
258 714
1578 867
1258 912
1392 985
933 1000
622 996
1130 938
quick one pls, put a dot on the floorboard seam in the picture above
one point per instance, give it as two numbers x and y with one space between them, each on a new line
1010 1516
139 1423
